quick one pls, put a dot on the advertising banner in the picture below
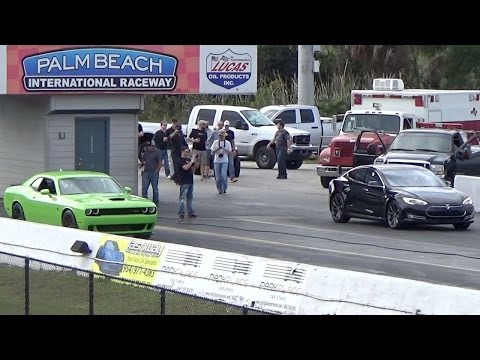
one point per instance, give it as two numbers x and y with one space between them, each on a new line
128 258
173 69
3 69
87 69
228 69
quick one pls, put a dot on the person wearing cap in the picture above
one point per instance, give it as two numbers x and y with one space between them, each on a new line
198 137
214 136
282 142
161 144
220 150
185 172
231 138
152 163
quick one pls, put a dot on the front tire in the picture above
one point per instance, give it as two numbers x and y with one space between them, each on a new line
394 215
325 181
265 158
294 164
69 220
17 212
462 226
337 209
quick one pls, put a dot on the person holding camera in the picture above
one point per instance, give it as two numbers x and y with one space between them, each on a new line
176 140
199 137
185 172
221 148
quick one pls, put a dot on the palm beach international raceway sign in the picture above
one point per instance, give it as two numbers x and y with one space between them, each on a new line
180 69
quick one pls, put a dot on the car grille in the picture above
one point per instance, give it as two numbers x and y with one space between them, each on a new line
121 211
424 164
301 139
346 149
446 211
122 227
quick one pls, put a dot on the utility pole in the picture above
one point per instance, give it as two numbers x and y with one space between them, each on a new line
306 89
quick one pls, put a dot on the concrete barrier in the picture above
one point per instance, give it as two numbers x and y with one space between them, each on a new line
470 185
274 285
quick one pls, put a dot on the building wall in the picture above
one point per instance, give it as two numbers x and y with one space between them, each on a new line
123 145
22 137
122 111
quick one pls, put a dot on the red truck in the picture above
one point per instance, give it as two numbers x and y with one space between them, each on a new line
378 115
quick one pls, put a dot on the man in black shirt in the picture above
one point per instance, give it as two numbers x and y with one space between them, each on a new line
199 137
161 144
186 168
176 140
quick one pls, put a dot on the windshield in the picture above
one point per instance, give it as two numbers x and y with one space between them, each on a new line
378 122
256 118
269 113
411 178
89 185
422 141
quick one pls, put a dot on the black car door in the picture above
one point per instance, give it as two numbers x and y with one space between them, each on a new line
356 184
374 194
470 166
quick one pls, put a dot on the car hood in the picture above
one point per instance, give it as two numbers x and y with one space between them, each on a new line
109 200
271 130
416 155
434 195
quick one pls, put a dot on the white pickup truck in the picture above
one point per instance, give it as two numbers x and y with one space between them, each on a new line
253 131
306 118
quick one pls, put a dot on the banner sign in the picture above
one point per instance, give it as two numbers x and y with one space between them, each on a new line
177 69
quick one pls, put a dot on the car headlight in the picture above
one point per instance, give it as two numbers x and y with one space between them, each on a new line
324 159
437 169
92 212
88 212
379 160
468 201
145 210
152 210
412 201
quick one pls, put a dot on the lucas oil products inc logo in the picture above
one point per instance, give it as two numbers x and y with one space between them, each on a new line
229 69
100 69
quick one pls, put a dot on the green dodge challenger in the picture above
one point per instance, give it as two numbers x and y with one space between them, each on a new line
81 199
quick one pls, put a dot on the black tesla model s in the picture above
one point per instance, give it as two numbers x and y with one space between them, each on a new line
397 195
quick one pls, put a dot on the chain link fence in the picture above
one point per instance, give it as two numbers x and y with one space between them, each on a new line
34 287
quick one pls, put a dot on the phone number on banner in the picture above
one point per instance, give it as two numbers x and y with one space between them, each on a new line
137 270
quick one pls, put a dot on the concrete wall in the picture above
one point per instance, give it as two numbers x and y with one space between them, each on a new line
123 145
123 132
22 137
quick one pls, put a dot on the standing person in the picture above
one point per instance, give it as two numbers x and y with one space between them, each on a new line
220 149
152 164
176 140
161 144
185 180
214 136
140 136
282 141
199 138
231 138
208 147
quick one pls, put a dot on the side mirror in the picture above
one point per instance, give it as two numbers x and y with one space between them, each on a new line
127 189
241 125
45 192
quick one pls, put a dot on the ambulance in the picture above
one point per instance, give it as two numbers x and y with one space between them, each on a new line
377 116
